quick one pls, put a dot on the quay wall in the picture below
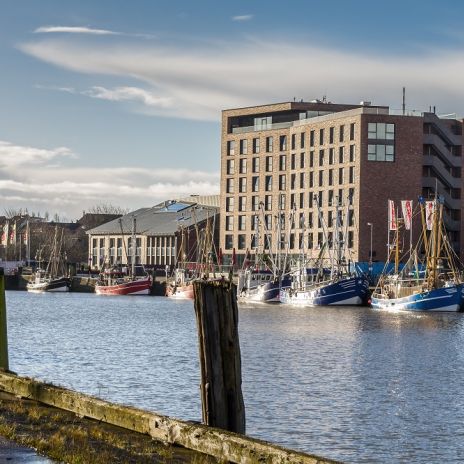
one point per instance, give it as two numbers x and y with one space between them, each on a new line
219 443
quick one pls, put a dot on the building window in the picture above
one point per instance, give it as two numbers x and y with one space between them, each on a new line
254 222
310 240
242 204
350 239
243 146
351 218
268 221
351 195
302 180
292 241
311 159
342 133
229 242
242 166
293 181
229 223
269 144
311 179
267 242
302 140
282 162
229 204
268 163
282 200
310 220
321 178
340 175
292 201
230 185
331 171
321 157
241 222
381 152
268 202
255 165
310 199
320 198
341 154
231 147
268 184
282 142
256 145
311 139
293 141
293 161
331 197
352 153
262 123
352 131
302 160
381 131
282 182
254 203
330 219
331 156
255 183
241 242
331 135
321 136
230 166
301 200
242 184
351 175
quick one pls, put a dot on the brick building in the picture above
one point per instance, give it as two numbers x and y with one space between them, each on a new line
289 155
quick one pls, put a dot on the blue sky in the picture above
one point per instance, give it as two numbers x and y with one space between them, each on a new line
119 102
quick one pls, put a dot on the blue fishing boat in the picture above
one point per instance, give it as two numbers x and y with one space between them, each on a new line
438 288
263 286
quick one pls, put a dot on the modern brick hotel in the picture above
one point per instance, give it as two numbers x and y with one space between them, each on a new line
285 157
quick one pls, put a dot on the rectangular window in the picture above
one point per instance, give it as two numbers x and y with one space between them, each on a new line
292 241
230 185
380 152
230 166
330 219
310 240
243 146
321 157
241 242
268 163
231 147
292 202
310 220
242 204
321 178
381 131
311 139
267 242
331 198
321 136
282 201
282 182
301 200
351 195
340 176
350 239
320 198
242 166
302 180
302 140
268 221
293 141
229 204
341 154
254 241
293 161
229 223
242 183
254 203
268 183
351 218
331 156
256 145
310 199
311 179
352 131
293 182
241 222
311 159
268 202
352 153
229 242
254 222
331 171
302 160
255 184
342 134
282 162
331 135
269 144
255 165
351 175
283 143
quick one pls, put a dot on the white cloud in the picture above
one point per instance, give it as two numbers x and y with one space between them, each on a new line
28 180
196 82
73 30
246 17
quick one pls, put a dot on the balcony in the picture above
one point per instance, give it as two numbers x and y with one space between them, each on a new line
275 126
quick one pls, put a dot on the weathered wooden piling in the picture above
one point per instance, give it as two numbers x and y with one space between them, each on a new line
3 327
220 362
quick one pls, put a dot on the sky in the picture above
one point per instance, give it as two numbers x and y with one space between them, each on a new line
119 103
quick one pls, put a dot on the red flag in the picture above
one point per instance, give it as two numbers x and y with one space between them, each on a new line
391 215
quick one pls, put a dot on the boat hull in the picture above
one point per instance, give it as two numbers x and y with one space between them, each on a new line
445 299
352 291
268 292
181 292
133 287
61 284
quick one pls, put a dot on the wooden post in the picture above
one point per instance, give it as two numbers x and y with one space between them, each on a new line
3 331
220 362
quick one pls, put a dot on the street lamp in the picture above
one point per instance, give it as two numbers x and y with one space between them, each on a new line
371 225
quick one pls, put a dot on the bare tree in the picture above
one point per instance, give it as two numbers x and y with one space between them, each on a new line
107 208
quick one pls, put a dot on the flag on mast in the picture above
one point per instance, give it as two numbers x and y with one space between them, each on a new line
5 234
391 215
406 206
429 210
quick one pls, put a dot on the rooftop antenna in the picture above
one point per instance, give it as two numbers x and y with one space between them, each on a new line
404 100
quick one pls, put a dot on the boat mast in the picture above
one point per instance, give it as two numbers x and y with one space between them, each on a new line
133 245
397 246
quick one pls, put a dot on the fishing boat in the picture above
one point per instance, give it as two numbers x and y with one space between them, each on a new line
125 280
181 285
433 287
319 285
260 285
53 278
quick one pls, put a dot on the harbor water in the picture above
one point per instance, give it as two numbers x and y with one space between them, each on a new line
346 383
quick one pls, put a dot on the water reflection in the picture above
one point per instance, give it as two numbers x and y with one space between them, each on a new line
347 383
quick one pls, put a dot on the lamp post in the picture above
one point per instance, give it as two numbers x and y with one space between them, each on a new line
371 225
